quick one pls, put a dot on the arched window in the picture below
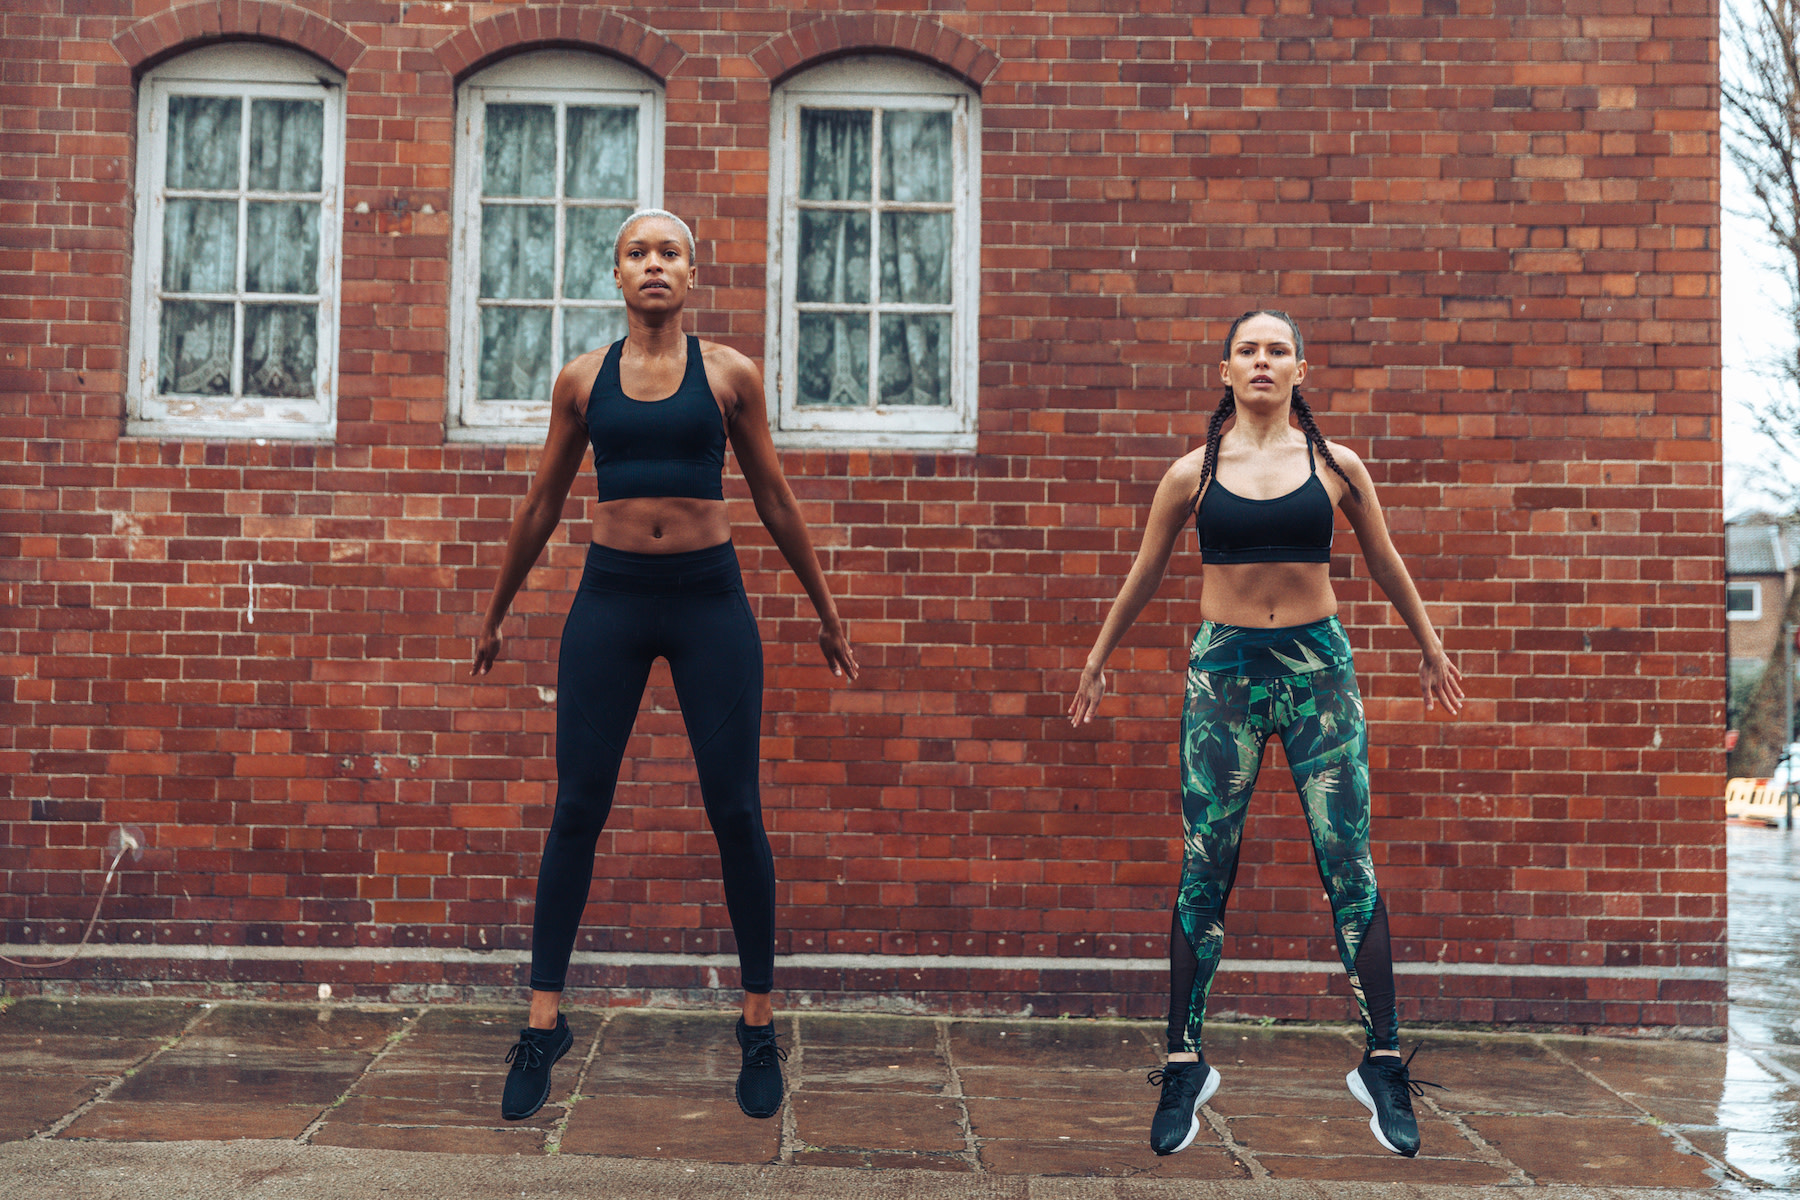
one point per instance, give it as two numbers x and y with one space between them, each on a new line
554 148
874 264
235 276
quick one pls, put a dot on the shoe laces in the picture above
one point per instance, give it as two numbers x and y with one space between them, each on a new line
1173 1083
527 1053
1397 1075
762 1050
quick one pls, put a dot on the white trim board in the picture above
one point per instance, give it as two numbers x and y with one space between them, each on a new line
858 962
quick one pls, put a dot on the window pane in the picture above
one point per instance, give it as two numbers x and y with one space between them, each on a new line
281 349
602 154
915 156
915 358
587 329
588 235
203 142
834 154
287 140
834 359
518 156
282 251
1740 599
915 257
517 248
200 246
194 358
515 354
834 257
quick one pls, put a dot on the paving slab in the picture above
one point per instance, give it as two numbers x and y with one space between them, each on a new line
32 1103
1084 1044
864 1068
1049 1120
869 1121
440 1140
177 1122
1511 1076
1107 1160
38 1034
1426 1170
1343 1135
699 1128
1612 1152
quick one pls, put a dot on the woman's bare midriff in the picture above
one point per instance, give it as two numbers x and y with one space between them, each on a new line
1266 595
661 524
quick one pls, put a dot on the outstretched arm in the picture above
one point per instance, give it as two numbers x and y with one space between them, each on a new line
1439 680
1168 513
776 506
537 516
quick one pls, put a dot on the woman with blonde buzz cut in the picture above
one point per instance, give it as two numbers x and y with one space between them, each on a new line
661 581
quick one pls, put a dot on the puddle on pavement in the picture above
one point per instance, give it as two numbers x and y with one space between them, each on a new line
1760 1108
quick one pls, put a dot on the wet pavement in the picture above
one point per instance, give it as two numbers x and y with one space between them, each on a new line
1025 1098
113 1088
1758 1116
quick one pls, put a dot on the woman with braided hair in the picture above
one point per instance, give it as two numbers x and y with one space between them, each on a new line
1271 658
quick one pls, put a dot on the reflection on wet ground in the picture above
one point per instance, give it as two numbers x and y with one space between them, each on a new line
1759 1112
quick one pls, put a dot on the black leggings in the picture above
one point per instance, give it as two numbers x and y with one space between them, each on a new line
631 609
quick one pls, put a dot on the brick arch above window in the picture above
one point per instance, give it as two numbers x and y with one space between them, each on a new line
837 35
553 26
148 42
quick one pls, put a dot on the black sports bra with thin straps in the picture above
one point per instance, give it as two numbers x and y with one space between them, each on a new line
669 447
1292 528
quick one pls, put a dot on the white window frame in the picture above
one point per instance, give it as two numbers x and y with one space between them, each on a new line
874 82
560 78
256 71
1755 610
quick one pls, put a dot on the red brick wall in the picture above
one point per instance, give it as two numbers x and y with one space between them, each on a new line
1498 222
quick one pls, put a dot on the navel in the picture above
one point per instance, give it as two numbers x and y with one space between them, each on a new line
656 531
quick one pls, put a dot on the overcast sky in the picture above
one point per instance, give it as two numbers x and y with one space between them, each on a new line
1752 328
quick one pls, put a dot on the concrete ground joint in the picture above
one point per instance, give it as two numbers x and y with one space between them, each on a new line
407 1025
971 1151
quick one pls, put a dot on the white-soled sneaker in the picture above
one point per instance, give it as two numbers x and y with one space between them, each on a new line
1185 1087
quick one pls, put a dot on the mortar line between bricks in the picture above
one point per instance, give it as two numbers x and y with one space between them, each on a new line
1661 1126
790 1125
971 1152
560 1126
68 1119
305 1136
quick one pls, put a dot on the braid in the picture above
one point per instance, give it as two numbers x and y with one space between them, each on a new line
1227 406
1311 429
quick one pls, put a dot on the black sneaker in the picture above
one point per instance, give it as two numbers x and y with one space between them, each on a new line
759 1079
532 1056
1386 1088
1185 1087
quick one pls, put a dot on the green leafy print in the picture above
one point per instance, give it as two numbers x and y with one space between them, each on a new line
1244 686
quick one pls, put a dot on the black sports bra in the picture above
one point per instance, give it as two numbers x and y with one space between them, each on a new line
1291 528
669 447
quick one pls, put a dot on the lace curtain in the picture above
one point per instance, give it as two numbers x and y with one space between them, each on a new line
840 205
520 254
219 207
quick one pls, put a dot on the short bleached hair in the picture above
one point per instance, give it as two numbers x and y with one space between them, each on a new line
643 214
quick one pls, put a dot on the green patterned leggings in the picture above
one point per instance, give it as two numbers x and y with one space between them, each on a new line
1299 684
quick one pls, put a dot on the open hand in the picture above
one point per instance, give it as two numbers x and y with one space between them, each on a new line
487 649
1087 696
1441 683
834 644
